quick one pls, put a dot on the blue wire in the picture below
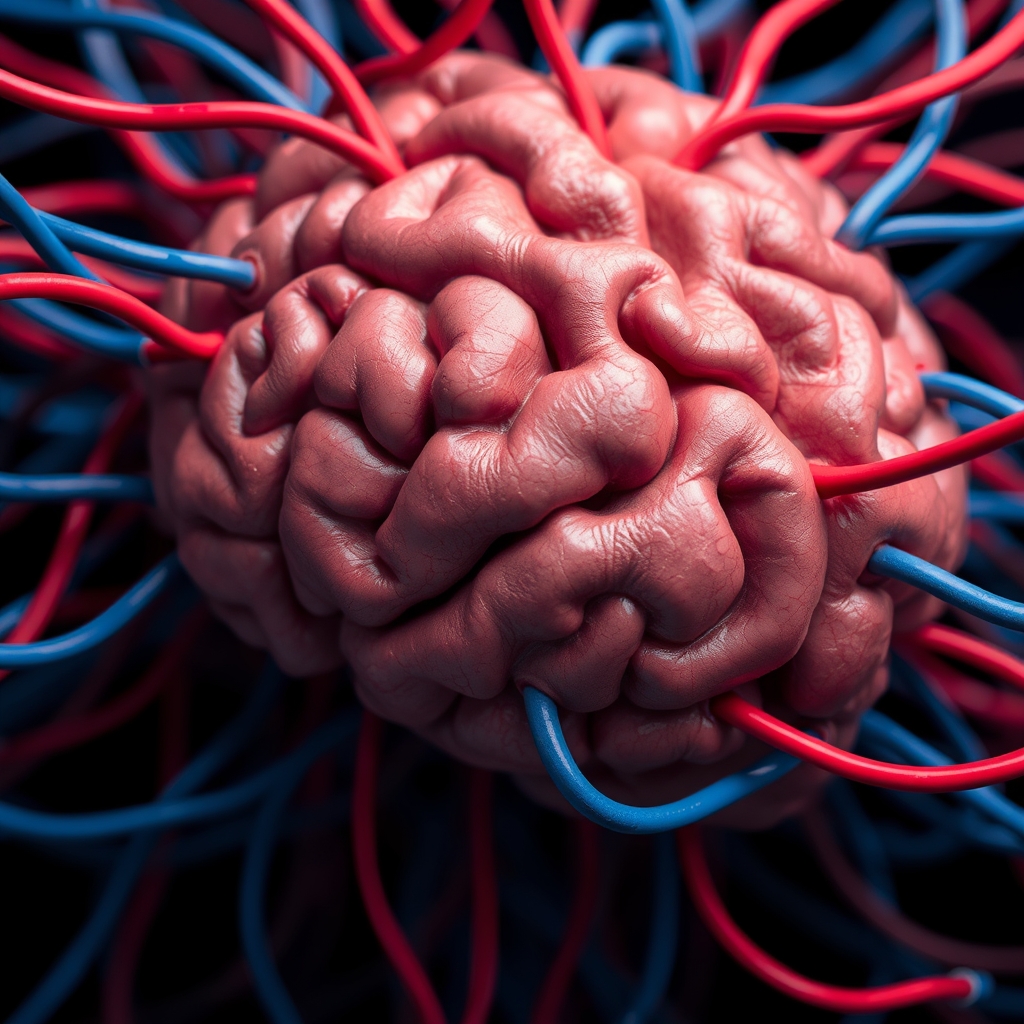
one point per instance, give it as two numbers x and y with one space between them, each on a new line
888 39
101 628
971 392
74 486
620 39
862 222
241 72
912 229
1005 508
155 258
590 802
663 937
86 946
270 988
681 44
955 269
900 565
71 415
710 17
17 212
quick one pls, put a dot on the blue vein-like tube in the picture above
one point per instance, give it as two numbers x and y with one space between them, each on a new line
619 817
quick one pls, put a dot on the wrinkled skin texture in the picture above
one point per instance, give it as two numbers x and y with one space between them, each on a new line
528 416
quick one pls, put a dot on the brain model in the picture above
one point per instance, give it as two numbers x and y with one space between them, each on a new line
529 416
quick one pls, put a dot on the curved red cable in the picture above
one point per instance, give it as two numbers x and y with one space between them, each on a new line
364 844
176 116
346 88
387 26
832 481
560 55
464 21
483 958
575 16
735 711
954 643
902 101
163 331
829 997
556 985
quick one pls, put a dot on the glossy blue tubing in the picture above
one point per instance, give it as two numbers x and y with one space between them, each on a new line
87 945
899 565
270 988
104 626
236 68
928 135
105 340
680 36
663 938
157 259
956 268
620 39
915 229
71 486
593 804
1005 508
971 392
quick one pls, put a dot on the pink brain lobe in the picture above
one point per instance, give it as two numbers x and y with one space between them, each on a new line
529 416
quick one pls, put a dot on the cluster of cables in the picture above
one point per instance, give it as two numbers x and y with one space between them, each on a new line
70 411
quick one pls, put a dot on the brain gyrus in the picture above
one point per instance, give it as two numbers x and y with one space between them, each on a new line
526 415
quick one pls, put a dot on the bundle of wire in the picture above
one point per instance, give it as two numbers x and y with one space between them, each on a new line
121 905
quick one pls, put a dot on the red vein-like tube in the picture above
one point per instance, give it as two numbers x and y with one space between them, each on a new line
954 643
829 997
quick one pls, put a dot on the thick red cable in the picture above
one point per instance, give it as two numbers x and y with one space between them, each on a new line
734 710
548 1007
954 643
34 338
163 331
364 844
464 21
832 481
749 955
387 26
998 470
85 197
902 101
999 710
343 83
178 116
575 16
563 61
483 958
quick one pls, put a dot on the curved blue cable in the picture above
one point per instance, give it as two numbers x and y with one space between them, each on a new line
87 944
593 804
681 44
101 628
663 937
16 211
884 43
713 16
157 259
900 565
112 342
1005 508
918 228
72 486
956 268
620 39
270 988
235 67
887 734
862 222
971 392
69 416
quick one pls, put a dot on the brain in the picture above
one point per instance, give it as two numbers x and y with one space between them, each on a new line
530 416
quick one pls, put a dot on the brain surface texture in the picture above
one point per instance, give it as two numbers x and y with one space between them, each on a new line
530 416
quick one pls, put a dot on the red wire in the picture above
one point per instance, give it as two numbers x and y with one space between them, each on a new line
84 197
141 149
954 643
178 116
835 480
735 711
829 997
902 101
575 16
72 732
346 88
386 25
165 332
969 337
483 961
562 58
760 49
464 21
556 985
997 709
364 842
